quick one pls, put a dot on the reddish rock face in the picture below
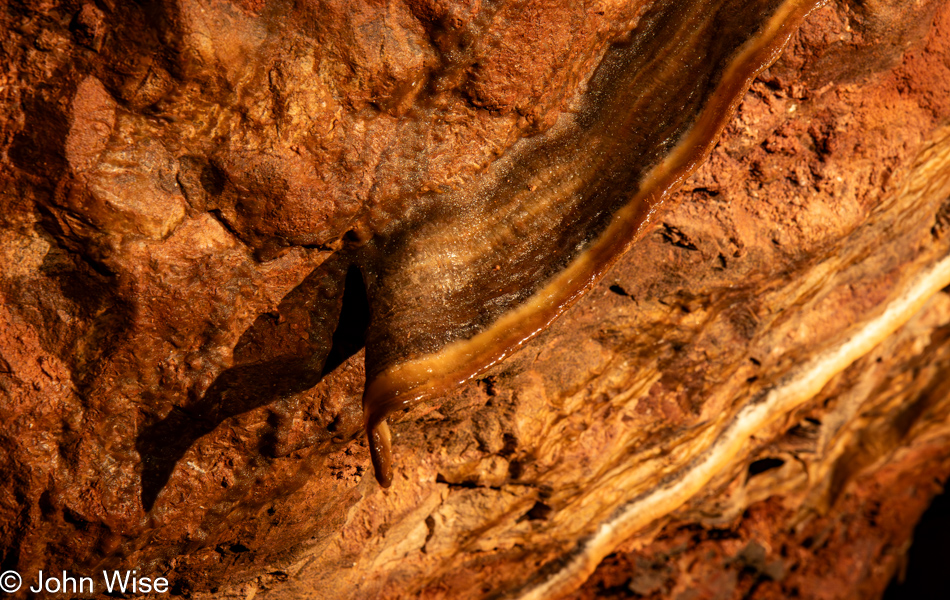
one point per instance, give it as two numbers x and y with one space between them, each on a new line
210 208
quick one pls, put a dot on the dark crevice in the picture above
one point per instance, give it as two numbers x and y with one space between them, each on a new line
350 335
468 484
674 236
430 531
617 289
764 464
539 512
941 220
509 445
924 577
488 384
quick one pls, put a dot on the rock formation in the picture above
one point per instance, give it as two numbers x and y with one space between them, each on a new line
222 219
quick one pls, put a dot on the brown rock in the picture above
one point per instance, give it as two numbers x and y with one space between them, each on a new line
754 388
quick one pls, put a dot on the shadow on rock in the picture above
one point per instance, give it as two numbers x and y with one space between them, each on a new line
329 306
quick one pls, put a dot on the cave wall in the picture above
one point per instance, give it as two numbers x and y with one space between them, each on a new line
754 391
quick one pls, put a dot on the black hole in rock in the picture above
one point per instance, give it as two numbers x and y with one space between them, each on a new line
509 447
618 290
350 334
212 180
440 478
764 464
488 384
74 519
926 574
539 512
721 534
180 588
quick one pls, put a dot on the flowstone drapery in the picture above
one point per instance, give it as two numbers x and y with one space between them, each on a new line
622 283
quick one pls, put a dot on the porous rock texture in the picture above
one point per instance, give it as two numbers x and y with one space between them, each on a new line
752 403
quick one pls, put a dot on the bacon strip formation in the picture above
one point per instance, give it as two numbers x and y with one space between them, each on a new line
468 276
